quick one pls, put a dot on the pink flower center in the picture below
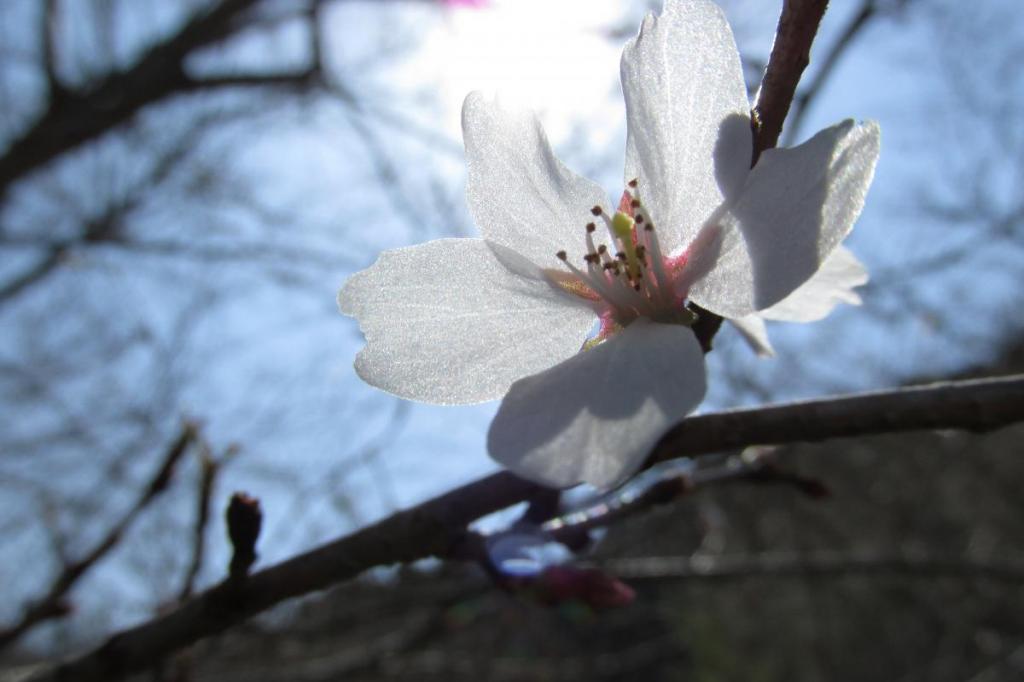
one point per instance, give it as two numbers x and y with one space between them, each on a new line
629 277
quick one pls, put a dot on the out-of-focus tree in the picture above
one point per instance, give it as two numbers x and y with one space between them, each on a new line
182 187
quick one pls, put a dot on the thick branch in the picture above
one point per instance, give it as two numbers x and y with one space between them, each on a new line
433 527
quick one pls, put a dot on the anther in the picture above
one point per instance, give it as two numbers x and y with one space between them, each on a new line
633 183
635 203
591 227
597 210
562 255
639 218
602 249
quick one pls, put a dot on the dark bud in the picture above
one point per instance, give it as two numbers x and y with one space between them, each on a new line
244 519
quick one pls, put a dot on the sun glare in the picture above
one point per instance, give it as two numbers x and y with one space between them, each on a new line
551 56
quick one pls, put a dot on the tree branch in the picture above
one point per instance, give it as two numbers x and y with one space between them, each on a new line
434 527
972 405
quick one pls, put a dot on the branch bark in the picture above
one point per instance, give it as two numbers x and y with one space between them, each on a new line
434 527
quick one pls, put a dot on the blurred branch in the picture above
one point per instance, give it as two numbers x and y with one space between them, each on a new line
434 528
85 114
818 563
52 605
47 32
209 469
43 267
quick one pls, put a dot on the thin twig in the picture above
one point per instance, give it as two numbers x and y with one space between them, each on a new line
433 527
209 468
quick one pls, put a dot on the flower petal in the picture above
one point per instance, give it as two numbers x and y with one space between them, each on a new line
796 207
831 285
689 139
520 195
752 329
456 321
595 417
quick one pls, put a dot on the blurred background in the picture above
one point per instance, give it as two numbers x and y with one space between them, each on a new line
185 185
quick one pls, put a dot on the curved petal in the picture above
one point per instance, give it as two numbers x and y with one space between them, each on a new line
688 124
831 285
519 194
796 207
595 417
752 329
449 322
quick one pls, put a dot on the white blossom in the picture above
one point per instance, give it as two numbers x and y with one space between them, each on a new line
512 313
832 284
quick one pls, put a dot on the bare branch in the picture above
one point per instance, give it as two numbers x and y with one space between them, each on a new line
972 405
436 526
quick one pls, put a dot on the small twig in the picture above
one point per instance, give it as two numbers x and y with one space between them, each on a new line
210 468
53 603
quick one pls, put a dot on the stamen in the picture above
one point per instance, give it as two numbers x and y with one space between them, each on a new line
629 273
